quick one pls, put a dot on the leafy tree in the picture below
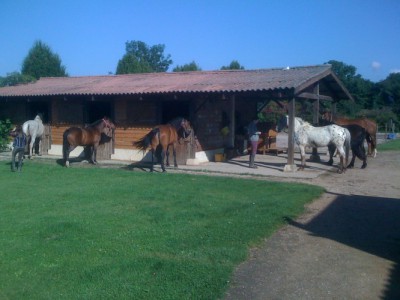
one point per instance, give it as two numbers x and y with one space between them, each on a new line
234 65
389 92
361 89
15 78
187 67
5 127
42 62
140 58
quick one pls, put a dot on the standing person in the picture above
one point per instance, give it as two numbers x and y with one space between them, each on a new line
254 136
19 148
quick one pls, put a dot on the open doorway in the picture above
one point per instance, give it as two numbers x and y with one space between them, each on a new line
38 107
174 109
96 110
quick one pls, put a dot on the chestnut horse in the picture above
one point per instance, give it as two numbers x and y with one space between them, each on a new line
165 135
369 126
90 136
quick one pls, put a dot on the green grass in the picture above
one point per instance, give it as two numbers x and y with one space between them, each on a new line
393 145
96 233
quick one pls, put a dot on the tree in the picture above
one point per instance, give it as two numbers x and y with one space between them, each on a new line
140 58
15 78
234 65
187 67
42 62
361 89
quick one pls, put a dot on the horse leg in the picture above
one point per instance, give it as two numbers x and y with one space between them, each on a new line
31 147
40 147
162 159
152 160
303 158
343 162
351 164
363 156
332 150
167 154
94 155
68 150
174 153
374 143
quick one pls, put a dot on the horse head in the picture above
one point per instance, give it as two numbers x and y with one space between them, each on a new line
108 126
283 123
327 116
187 128
39 118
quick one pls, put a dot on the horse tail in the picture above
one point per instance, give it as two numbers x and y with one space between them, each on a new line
347 144
145 141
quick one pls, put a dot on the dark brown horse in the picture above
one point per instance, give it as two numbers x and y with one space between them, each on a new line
358 135
90 136
164 136
369 126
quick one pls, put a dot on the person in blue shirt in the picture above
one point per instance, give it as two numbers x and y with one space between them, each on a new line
254 136
18 148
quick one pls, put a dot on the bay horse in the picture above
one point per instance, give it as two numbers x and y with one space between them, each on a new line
33 129
307 135
164 136
358 135
369 126
90 136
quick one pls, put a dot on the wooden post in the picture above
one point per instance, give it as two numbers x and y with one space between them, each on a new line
232 103
290 166
315 156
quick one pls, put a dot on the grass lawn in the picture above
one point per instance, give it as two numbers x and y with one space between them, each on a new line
392 145
96 233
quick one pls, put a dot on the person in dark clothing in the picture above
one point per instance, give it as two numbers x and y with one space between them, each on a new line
19 148
254 136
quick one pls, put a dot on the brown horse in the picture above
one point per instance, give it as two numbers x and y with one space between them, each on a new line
369 126
164 136
90 136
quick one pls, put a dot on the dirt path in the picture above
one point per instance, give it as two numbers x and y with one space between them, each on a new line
346 246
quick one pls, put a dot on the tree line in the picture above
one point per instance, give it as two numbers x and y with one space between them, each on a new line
379 101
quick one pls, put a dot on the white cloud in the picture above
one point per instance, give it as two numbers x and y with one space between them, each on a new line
376 65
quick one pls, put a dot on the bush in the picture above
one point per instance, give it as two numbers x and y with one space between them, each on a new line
5 127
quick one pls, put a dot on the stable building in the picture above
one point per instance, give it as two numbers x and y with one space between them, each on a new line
211 100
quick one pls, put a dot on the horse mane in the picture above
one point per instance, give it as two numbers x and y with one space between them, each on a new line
95 123
176 123
303 122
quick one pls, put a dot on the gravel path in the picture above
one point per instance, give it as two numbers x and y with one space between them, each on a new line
346 246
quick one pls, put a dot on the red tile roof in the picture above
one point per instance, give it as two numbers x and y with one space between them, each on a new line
177 82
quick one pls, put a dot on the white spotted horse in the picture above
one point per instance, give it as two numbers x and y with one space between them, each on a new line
307 135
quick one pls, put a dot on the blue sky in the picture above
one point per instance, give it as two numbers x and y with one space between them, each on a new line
90 36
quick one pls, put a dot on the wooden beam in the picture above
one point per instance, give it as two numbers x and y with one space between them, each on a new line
313 96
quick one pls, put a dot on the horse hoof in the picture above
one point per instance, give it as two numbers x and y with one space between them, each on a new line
363 166
300 169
